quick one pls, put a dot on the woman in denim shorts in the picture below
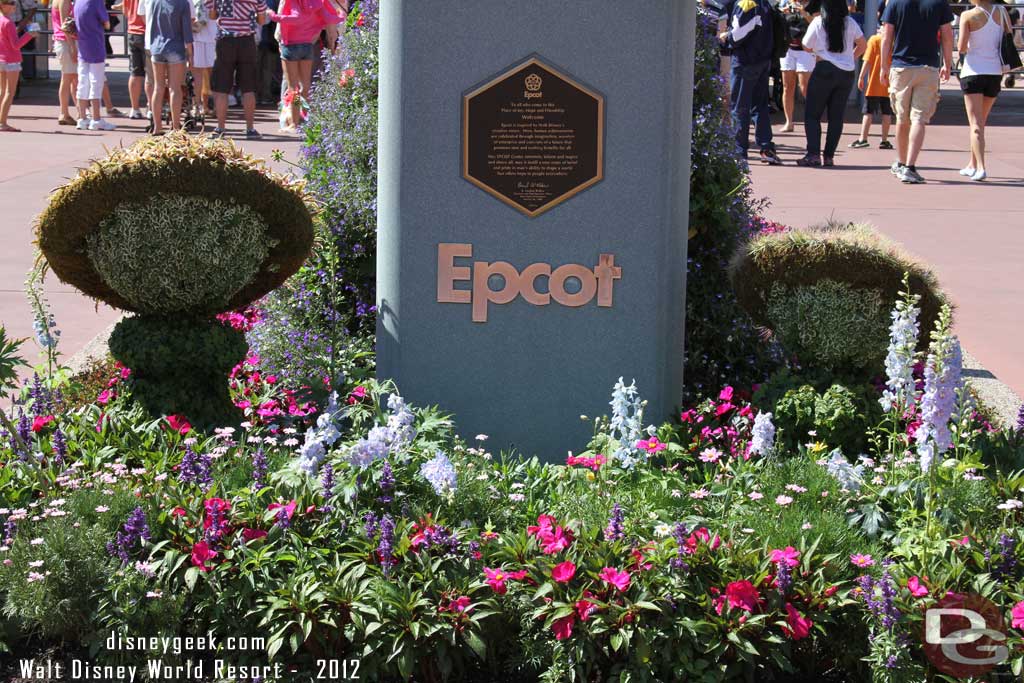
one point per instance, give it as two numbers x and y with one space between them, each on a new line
301 22
170 34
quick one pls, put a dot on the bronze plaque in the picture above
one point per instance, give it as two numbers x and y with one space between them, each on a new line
533 137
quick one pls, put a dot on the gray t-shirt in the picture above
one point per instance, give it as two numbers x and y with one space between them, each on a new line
168 26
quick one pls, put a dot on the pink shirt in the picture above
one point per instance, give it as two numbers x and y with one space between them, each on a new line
302 20
55 20
10 43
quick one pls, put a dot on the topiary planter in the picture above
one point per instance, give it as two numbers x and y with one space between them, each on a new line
177 229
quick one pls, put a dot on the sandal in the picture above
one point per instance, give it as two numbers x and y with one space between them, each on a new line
9 129
66 121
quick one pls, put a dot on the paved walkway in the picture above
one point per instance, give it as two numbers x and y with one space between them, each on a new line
43 157
972 234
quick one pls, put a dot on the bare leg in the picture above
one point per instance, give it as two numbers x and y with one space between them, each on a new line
220 104
865 127
803 77
7 86
886 124
64 96
157 105
176 79
249 108
916 140
108 103
135 85
788 98
903 140
292 74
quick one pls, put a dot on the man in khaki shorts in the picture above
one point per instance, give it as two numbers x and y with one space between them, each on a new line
912 33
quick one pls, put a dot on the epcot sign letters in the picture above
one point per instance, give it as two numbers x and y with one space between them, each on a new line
532 211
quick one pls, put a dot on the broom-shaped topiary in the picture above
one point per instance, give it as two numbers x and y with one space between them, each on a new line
827 293
177 229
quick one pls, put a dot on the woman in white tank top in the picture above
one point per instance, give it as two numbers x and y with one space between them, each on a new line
981 34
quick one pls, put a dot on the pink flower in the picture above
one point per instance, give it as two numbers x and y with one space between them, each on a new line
723 408
614 577
496 579
584 608
178 512
742 594
214 506
253 534
104 397
862 560
555 541
1017 614
783 500
39 423
544 524
461 604
688 416
201 554
179 424
710 455
726 394
357 395
788 555
517 575
916 587
269 409
651 445
289 508
562 628
563 573
799 626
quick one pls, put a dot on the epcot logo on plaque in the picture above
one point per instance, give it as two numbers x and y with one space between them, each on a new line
529 148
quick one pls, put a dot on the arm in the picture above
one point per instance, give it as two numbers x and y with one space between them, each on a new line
888 38
947 52
261 12
211 9
965 32
859 46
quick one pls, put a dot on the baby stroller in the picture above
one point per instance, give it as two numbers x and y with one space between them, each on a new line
193 118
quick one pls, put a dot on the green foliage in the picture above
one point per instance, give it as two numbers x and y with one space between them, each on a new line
180 366
174 254
183 166
830 324
827 293
10 361
839 417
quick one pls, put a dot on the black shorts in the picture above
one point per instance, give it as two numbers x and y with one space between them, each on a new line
236 62
137 54
985 84
877 105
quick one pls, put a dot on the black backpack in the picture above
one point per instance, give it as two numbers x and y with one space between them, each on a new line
781 35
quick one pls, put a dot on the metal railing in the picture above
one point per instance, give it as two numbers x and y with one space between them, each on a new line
45 38
1018 30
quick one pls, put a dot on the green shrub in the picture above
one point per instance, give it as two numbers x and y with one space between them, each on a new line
827 293
176 253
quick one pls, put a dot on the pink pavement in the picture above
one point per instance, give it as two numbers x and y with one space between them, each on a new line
971 233
42 157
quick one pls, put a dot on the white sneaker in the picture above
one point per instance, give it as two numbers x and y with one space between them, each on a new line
967 172
100 124
979 175
83 124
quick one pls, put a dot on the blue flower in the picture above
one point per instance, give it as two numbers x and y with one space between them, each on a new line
440 472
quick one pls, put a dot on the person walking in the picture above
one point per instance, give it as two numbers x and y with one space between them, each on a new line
798 63
67 56
236 58
836 41
204 50
876 95
10 61
91 20
138 61
981 37
301 22
912 69
170 40
749 36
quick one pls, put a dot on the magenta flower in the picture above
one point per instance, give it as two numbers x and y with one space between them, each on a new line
563 573
917 587
651 445
562 628
1017 613
496 579
614 577
789 556
862 560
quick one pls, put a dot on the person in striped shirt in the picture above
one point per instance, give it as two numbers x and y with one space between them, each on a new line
236 60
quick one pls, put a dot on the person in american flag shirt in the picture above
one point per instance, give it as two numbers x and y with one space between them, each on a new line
237 58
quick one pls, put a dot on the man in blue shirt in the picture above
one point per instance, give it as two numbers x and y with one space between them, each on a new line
912 33
749 35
